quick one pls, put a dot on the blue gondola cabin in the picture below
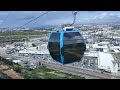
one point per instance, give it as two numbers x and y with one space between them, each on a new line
67 45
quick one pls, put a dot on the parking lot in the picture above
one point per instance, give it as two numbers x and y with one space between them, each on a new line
86 62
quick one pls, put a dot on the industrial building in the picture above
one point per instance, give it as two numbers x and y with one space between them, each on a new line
107 62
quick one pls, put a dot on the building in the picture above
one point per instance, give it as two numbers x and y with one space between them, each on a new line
102 46
33 52
101 61
107 62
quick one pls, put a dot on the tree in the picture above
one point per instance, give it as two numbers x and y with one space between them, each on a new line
33 45
18 69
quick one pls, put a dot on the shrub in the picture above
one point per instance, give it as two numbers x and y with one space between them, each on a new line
33 45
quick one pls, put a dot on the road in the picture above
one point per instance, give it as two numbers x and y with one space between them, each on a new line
78 71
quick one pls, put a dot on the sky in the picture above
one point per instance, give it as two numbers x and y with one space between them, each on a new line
18 18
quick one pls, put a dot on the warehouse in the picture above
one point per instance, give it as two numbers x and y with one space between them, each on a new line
107 62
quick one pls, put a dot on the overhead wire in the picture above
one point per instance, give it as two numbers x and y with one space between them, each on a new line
34 19
6 18
74 16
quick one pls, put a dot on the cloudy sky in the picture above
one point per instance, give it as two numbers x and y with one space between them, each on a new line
18 18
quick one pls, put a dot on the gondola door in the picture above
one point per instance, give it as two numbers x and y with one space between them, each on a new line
54 46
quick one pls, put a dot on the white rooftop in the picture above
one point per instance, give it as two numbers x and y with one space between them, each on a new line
68 28
104 42
91 54
115 47
16 61
100 46
33 52
105 61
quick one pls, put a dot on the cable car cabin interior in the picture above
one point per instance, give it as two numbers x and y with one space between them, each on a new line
66 46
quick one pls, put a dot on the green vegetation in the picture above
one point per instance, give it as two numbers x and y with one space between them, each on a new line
20 36
33 45
39 73
9 33
117 56
45 73
6 62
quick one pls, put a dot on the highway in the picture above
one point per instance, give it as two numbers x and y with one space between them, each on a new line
64 68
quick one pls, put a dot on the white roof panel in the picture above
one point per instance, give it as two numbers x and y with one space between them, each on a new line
105 60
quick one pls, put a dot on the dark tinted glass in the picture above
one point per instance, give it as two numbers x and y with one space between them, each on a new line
74 47
54 46
72 36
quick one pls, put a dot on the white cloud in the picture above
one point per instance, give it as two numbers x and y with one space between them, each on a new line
102 16
58 17
86 19
111 14
58 22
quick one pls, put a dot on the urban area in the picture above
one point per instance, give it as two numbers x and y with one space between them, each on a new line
101 59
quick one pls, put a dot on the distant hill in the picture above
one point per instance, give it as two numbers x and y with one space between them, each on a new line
47 27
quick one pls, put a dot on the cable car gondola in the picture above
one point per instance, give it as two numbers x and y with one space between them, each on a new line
67 45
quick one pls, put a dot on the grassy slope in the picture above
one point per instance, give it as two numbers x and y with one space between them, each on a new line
39 73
